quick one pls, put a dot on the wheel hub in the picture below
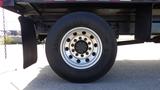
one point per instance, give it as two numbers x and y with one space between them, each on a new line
81 47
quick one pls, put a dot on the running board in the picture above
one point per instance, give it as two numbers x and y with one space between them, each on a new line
129 42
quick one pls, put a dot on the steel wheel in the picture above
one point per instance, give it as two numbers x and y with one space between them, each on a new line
81 48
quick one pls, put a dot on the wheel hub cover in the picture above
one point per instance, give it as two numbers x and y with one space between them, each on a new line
81 47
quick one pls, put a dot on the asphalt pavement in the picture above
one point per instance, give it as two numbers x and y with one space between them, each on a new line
137 67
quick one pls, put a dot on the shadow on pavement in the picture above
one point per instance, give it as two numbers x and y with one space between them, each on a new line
141 75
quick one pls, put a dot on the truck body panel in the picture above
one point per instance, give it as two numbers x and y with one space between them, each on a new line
119 13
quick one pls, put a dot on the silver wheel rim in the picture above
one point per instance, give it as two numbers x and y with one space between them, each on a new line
81 48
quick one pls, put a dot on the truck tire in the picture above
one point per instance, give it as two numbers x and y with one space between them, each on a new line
81 47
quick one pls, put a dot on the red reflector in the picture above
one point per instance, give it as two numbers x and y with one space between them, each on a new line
1 3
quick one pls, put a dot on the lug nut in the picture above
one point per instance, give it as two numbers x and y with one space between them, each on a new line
87 60
89 43
75 40
75 34
76 54
70 56
93 53
68 40
89 48
73 50
83 32
82 55
72 45
78 61
95 45
80 38
91 37
87 53
66 48
85 39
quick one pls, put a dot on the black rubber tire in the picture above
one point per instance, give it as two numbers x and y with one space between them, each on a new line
81 19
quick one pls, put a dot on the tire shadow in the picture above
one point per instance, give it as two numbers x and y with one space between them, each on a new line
124 75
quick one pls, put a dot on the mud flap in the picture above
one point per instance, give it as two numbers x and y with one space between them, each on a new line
29 41
143 24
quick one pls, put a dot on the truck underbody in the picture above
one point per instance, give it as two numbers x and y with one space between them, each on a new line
118 14
124 17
